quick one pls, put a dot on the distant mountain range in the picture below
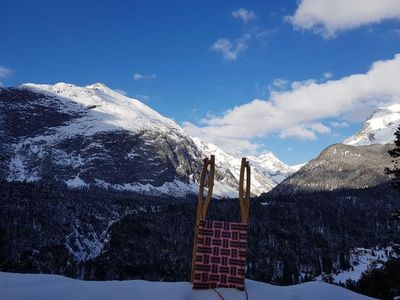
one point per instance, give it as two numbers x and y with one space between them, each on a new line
94 136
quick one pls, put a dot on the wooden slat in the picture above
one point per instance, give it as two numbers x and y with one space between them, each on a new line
210 187
244 196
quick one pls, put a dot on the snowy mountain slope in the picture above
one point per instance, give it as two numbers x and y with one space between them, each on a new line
94 136
109 110
267 170
269 165
379 128
39 286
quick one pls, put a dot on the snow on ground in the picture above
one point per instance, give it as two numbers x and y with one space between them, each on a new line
76 182
361 260
176 188
48 287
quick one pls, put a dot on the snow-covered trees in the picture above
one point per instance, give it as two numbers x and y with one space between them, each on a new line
394 173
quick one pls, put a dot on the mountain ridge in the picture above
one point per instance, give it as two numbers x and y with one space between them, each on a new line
92 135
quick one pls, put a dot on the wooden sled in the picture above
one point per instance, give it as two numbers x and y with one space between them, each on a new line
219 251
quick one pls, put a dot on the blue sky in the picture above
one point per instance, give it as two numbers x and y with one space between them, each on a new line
179 51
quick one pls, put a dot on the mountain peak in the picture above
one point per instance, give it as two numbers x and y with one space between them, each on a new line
106 109
379 128
267 156
97 86
393 108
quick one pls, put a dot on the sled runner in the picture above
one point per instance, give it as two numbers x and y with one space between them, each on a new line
219 251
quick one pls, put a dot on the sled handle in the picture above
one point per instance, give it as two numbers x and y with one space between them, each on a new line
244 196
202 204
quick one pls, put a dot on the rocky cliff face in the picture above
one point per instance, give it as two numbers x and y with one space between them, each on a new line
95 137
94 140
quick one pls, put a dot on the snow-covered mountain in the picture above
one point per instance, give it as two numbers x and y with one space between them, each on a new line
267 169
41 286
358 163
379 128
270 166
94 136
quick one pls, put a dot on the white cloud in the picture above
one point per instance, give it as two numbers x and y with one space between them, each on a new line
139 76
244 14
300 84
305 131
327 75
339 124
260 34
279 84
300 112
328 17
231 50
4 72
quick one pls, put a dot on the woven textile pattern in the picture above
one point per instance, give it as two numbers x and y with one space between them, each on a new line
221 255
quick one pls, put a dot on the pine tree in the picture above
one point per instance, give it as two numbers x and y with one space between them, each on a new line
395 154
394 174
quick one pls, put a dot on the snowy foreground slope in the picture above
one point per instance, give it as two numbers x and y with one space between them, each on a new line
48 287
